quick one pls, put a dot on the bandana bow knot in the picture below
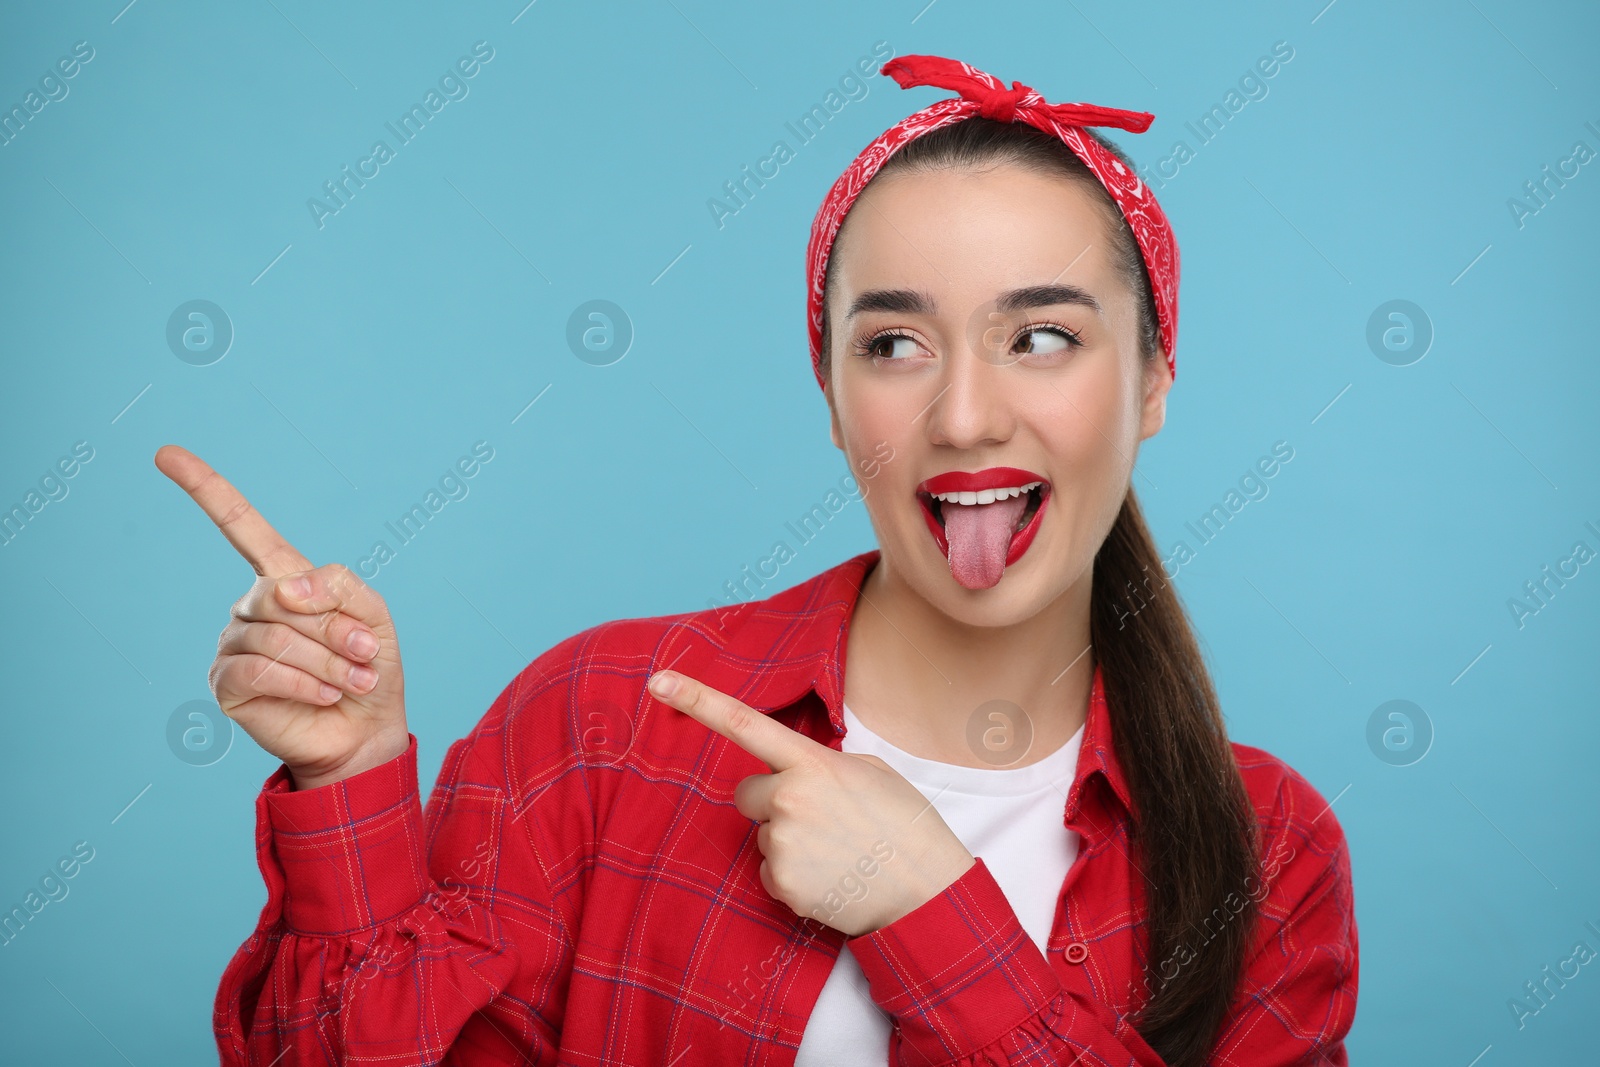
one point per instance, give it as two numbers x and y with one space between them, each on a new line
997 102
1002 105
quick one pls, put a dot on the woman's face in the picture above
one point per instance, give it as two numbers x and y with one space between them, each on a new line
977 321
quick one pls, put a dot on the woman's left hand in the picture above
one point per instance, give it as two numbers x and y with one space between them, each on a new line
847 840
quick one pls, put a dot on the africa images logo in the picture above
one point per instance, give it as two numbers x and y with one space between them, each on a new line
452 85
852 86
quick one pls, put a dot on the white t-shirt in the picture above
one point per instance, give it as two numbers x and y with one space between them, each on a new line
1010 817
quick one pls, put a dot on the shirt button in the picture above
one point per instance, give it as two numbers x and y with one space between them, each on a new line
1077 952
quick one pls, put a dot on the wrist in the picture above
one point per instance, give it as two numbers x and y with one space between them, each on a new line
373 753
936 877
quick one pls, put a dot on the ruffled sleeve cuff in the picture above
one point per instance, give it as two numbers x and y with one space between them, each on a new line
958 973
349 854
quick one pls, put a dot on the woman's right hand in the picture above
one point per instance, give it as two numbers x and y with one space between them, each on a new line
293 671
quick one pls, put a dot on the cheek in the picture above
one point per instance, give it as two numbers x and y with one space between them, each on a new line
877 421
1090 427
882 436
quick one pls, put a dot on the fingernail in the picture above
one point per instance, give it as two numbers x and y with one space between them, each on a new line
663 685
329 692
298 587
363 643
363 678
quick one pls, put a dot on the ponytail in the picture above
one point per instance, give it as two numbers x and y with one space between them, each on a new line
1195 834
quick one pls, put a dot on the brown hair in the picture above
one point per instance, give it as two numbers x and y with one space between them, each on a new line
1196 835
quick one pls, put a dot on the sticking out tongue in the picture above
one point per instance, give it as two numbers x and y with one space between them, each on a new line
979 536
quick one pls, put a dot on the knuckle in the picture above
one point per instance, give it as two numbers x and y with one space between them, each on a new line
226 680
258 602
783 801
278 639
327 623
305 687
778 875
336 629
281 679
240 509
740 718
341 581
233 637
263 675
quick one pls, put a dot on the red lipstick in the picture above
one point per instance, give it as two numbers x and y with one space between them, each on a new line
974 481
988 478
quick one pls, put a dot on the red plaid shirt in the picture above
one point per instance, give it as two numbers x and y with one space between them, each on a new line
581 890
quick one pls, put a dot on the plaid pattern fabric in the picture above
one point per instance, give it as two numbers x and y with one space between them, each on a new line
581 890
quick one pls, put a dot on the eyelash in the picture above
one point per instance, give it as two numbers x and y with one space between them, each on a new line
865 343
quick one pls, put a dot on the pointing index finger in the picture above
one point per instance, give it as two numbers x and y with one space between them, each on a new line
246 529
767 740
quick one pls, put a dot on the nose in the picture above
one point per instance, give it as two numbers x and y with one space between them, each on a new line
973 407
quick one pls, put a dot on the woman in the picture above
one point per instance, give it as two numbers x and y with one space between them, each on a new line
1018 809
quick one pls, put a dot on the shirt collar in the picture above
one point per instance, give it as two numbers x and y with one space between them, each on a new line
775 651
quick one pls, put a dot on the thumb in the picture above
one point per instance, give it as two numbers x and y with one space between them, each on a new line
333 587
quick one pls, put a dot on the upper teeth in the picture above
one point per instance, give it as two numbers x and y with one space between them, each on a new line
986 496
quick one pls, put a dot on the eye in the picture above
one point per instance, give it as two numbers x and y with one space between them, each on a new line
1045 340
888 347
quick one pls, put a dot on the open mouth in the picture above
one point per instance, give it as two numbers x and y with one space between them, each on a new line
1035 492
987 540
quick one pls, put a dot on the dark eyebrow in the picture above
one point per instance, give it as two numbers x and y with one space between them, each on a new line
905 301
912 302
1035 296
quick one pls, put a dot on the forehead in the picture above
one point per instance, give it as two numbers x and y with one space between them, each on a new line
965 230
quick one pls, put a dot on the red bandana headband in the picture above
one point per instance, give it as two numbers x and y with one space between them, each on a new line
983 94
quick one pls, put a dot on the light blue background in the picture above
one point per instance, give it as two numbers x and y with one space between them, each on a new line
431 310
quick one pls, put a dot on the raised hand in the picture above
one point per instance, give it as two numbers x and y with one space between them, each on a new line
309 665
846 839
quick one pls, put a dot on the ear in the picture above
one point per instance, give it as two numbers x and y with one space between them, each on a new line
1157 382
